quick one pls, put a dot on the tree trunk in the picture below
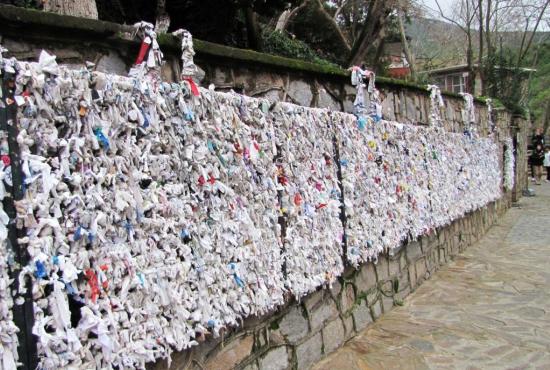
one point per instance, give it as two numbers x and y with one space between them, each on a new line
77 8
374 22
480 56
470 62
329 18
286 16
253 30
378 67
408 54
488 67
162 22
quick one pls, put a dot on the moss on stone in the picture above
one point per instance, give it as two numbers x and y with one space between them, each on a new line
34 18
14 18
274 325
386 81
212 49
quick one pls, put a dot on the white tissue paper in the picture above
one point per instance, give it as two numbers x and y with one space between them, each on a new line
153 210
509 165
310 197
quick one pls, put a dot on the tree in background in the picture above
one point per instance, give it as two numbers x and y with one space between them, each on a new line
539 97
349 32
509 24
463 16
77 8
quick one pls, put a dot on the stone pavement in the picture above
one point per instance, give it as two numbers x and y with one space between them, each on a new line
488 309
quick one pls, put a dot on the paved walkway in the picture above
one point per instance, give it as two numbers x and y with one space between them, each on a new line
489 309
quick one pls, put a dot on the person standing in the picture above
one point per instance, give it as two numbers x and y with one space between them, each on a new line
538 161
536 139
546 163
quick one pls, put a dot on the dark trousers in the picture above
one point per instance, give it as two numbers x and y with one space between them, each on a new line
548 173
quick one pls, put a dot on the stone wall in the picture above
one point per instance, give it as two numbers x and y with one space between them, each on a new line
113 49
302 333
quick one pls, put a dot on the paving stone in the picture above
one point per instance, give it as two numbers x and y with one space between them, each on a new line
294 325
275 359
309 352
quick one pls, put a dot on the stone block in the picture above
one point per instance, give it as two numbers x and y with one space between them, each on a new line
275 359
349 327
276 338
414 251
386 287
387 303
261 338
300 92
347 298
429 242
252 366
382 269
112 63
403 261
313 300
361 316
411 110
326 312
294 325
366 278
394 266
376 310
402 294
232 354
412 276
372 296
442 255
309 352
327 101
420 269
333 335
335 289
388 107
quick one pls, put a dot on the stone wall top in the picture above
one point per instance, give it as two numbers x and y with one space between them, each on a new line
29 24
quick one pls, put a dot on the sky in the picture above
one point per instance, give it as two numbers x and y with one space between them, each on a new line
446 5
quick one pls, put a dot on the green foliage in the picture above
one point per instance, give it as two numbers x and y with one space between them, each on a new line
540 87
33 4
278 43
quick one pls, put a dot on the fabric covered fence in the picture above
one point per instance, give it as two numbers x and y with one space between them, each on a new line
154 217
